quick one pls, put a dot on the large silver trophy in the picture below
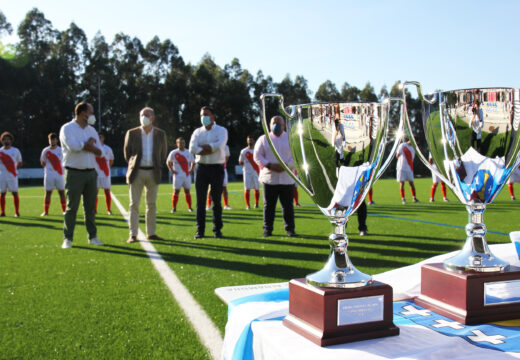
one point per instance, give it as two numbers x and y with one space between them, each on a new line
339 151
472 136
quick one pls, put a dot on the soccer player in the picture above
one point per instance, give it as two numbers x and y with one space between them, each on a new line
180 162
225 195
51 160
405 156
515 178
10 161
104 163
436 180
250 171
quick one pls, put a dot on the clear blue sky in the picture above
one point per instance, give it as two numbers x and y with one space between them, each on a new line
446 44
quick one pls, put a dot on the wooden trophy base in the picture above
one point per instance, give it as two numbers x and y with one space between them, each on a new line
329 316
461 296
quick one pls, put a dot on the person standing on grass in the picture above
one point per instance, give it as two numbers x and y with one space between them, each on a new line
225 194
435 181
51 160
277 183
515 178
10 162
250 171
104 163
405 155
145 151
208 144
180 162
81 145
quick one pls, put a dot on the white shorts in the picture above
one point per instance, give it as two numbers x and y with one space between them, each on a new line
8 182
251 182
225 178
515 177
181 181
103 182
51 181
405 175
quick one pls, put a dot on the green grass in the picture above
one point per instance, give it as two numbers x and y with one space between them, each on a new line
109 302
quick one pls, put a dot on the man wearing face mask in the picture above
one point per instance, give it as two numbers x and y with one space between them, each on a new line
80 144
277 183
145 151
208 144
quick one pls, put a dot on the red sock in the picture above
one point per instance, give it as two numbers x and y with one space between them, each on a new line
63 205
226 200
401 191
246 197
511 190
295 196
443 190
46 205
175 200
187 197
432 191
16 201
370 195
257 196
108 199
412 190
2 202
209 201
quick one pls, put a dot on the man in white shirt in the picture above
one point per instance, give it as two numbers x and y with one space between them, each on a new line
51 160
10 162
405 155
81 145
277 183
145 151
250 171
208 144
180 162
104 163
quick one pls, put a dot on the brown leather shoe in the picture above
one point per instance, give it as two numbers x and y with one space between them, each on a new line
154 237
132 239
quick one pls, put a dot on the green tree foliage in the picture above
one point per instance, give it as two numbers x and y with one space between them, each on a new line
54 70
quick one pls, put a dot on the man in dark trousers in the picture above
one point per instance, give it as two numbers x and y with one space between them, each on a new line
208 144
277 183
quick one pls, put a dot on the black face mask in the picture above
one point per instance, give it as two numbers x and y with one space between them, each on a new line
277 129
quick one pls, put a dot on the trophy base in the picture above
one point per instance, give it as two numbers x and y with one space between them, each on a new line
470 297
329 316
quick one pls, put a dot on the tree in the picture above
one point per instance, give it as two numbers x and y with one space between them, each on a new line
327 92
349 93
368 94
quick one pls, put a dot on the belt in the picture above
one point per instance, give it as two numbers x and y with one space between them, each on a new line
146 167
71 168
210 165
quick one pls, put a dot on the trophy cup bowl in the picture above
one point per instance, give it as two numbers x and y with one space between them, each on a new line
472 136
338 150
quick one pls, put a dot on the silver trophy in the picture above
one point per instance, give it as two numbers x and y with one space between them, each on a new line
339 151
472 136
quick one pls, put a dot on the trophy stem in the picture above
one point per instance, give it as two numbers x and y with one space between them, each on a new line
476 255
339 272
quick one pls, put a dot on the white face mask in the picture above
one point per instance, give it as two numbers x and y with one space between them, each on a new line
205 120
91 120
145 121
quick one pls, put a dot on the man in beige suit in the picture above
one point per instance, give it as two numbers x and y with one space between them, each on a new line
145 151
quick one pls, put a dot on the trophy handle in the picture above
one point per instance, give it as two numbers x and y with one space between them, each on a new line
425 161
398 138
265 125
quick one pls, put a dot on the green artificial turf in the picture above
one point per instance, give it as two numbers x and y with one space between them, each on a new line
109 302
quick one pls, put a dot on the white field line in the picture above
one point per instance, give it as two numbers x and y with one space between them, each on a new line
207 331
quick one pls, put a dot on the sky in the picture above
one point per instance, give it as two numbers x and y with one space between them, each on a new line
445 45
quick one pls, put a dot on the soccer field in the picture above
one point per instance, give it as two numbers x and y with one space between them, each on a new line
109 302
